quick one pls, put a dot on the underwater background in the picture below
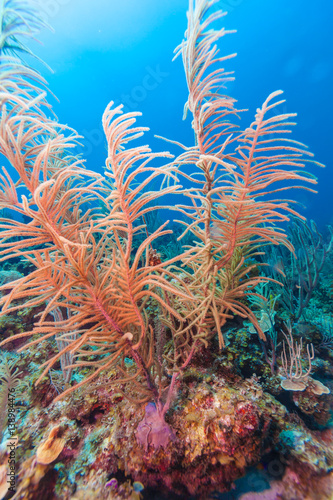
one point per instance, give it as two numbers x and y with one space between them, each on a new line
263 439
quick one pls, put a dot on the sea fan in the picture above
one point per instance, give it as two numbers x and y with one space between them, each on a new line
19 19
233 174
83 257
86 237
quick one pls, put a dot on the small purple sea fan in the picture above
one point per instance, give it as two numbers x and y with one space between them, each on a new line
153 429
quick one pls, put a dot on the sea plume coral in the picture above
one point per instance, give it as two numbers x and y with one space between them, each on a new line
234 175
86 237
82 263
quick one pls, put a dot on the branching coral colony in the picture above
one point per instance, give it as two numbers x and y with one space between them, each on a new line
79 228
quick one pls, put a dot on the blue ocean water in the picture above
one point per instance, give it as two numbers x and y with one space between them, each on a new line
106 50
122 51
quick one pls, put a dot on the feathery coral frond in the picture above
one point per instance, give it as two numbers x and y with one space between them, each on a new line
83 259
86 236
247 214
230 210
19 19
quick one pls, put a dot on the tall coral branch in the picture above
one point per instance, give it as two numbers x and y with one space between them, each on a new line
230 210
83 258
87 238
